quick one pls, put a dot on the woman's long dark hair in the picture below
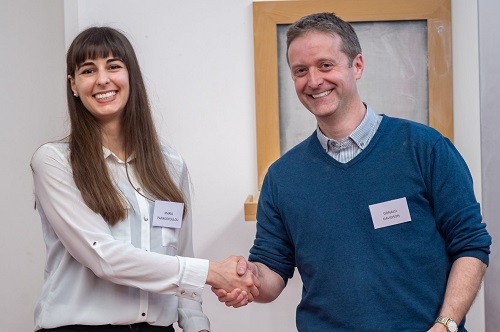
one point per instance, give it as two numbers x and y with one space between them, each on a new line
85 141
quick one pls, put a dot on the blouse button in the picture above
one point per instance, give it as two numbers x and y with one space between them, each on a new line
146 218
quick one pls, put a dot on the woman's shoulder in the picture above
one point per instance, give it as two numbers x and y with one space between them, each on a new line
57 151
60 147
172 157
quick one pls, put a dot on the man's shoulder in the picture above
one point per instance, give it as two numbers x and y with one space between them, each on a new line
411 129
298 152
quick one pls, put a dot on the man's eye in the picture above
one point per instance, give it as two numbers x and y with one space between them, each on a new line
300 72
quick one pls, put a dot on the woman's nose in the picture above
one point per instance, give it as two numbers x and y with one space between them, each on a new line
102 78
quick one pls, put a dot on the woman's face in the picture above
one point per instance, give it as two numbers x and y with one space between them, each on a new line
103 87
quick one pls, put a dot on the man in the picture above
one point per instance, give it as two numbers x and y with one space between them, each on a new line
378 214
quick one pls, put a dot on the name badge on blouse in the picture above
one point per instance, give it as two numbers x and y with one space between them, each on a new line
168 214
390 213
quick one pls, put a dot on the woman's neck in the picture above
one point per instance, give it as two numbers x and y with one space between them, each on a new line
113 139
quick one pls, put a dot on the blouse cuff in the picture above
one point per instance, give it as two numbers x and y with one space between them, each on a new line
193 276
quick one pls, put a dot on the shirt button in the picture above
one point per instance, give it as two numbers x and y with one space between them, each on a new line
146 218
143 314
183 292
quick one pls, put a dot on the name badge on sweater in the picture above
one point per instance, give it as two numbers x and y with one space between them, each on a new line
168 214
390 213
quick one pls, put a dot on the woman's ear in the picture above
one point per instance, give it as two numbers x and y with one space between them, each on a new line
73 85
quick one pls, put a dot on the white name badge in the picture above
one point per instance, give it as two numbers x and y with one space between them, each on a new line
390 213
168 214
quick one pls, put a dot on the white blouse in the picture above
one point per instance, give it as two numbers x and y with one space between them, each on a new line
97 274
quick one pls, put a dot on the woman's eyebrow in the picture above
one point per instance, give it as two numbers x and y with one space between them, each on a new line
114 59
90 63
87 63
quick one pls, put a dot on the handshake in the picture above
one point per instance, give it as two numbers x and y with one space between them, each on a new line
234 280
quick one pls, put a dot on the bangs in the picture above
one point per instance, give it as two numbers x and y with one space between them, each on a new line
96 43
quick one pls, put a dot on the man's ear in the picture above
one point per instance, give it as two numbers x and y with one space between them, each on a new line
358 65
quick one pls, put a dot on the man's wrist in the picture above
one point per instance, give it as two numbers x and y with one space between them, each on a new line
438 327
448 323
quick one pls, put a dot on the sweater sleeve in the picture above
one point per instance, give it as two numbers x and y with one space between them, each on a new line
272 246
456 210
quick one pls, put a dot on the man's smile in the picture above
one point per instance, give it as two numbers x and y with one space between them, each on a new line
322 94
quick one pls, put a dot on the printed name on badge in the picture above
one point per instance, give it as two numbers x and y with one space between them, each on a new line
168 214
390 213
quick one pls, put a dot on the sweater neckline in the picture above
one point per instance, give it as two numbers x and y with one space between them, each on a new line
366 151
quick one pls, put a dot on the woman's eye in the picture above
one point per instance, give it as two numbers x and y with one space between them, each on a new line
86 71
115 66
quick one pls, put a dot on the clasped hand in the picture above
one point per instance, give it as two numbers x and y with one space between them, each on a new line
234 280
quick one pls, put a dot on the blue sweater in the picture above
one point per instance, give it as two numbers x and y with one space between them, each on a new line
314 214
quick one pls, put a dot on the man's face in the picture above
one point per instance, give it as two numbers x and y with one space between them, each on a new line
325 79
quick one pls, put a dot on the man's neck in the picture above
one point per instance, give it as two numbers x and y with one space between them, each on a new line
342 125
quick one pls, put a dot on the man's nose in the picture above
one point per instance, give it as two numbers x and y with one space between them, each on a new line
314 78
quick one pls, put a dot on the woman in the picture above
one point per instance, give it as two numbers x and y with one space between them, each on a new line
115 210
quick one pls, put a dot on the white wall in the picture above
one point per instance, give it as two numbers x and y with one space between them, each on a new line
32 111
466 105
490 136
197 59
